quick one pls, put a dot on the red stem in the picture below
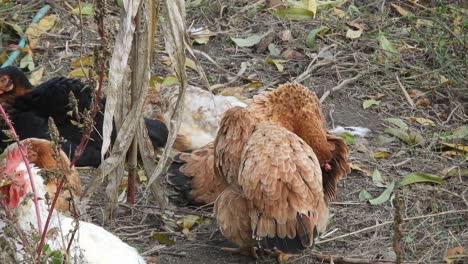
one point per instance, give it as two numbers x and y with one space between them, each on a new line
78 152
26 161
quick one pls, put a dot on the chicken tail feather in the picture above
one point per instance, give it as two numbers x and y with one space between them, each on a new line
180 182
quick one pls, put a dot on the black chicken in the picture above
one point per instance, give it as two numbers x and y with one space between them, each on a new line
30 107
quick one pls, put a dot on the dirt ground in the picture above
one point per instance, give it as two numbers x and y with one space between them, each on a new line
430 62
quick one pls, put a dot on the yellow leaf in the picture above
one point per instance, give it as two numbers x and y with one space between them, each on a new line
312 6
422 121
79 73
36 76
401 10
381 154
85 61
34 31
453 254
277 63
456 146
356 167
254 85
339 13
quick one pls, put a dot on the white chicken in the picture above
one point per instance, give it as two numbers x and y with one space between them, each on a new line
200 118
91 244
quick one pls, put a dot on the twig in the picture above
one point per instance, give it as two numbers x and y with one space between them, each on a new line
345 260
405 93
391 222
450 115
339 86
397 229
306 74
28 166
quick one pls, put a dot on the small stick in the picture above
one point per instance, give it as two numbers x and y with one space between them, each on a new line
345 260
407 96
306 74
391 222
339 86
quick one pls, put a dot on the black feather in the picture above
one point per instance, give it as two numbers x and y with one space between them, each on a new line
31 111
181 183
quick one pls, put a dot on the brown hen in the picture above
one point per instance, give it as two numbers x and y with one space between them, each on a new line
42 154
291 106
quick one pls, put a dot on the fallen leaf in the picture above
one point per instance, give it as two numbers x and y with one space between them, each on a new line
356 167
403 12
368 103
292 55
312 6
249 41
35 30
79 73
385 196
389 51
364 196
87 9
170 81
162 239
191 64
348 138
277 63
188 221
353 34
201 36
339 13
416 177
3 57
274 51
456 171
424 22
142 176
285 35
423 102
36 76
301 14
460 132
409 137
422 121
456 146
454 254
85 61
397 122
377 179
254 84
357 26
451 153
310 39
381 154
27 62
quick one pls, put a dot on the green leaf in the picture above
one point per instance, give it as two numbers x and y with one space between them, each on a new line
79 73
274 51
416 177
348 138
397 122
27 62
310 40
87 9
377 179
368 103
249 41
410 137
385 196
364 196
169 81
387 47
461 132
300 14
277 63
162 239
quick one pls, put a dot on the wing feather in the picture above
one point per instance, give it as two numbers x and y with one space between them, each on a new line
281 178
235 128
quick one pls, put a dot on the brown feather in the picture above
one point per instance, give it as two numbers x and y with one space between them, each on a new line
339 166
41 153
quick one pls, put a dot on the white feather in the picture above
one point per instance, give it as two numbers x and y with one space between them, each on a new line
355 131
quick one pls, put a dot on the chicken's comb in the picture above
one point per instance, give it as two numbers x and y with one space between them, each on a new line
14 158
